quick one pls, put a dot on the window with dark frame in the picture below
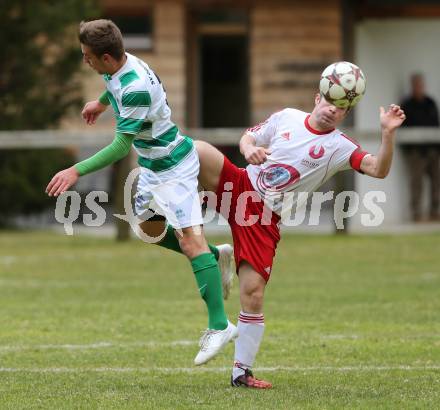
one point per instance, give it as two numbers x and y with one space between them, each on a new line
136 28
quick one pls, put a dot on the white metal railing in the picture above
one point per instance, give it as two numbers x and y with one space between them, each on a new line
217 136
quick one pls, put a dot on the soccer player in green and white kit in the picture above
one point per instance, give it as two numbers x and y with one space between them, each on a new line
169 169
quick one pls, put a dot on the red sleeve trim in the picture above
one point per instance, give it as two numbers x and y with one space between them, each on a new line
351 140
356 158
256 127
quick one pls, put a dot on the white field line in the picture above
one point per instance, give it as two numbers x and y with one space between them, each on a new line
100 345
154 344
339 336
28 258
299 369
64 284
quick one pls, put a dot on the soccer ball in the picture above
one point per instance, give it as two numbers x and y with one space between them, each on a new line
342 84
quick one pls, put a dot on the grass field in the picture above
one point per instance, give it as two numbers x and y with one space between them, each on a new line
351 322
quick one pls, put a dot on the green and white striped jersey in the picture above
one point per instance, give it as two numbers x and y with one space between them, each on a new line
140 105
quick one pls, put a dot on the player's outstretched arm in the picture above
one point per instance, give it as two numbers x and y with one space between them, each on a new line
379 165
117 150
93 109
253 154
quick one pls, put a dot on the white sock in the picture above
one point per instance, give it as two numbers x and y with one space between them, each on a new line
250 332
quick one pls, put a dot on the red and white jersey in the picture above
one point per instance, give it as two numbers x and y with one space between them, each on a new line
301 158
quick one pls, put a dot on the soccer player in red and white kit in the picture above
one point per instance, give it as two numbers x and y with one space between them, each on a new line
291 152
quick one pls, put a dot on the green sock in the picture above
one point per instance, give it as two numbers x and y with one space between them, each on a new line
170 241
209 281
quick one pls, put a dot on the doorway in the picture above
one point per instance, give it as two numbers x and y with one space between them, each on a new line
218 69
224 81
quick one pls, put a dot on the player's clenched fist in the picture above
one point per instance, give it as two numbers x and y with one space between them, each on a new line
92 110
256 155
62 181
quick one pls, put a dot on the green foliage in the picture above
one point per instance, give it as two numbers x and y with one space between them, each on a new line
25 175
39 60
39 57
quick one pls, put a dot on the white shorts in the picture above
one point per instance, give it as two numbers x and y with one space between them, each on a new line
172 193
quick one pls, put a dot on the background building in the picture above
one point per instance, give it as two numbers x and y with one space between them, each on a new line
232 63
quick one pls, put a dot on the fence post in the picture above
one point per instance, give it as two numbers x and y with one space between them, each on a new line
121 169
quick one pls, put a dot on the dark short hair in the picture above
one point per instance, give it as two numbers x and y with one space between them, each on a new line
417 76
103 37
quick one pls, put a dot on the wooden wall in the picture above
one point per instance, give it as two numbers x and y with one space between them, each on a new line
167 58
290 44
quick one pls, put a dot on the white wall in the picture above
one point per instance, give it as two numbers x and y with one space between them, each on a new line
388 51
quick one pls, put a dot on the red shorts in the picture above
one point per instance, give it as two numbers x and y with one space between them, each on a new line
255 242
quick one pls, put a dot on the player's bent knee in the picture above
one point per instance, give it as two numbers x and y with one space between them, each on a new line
211 165
192 246
191 250
257 297
200 145
252 298
208 153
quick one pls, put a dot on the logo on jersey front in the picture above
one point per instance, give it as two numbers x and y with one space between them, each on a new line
276 177
286 135
316 152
